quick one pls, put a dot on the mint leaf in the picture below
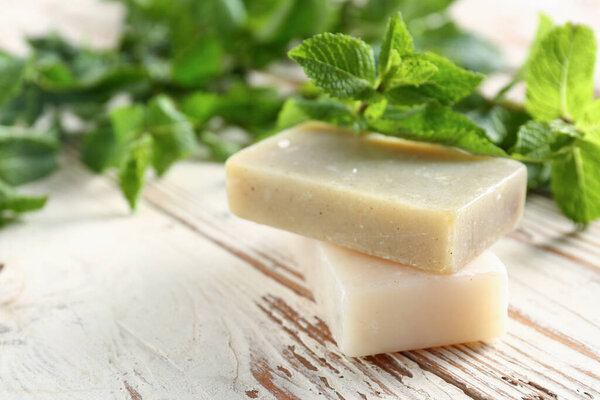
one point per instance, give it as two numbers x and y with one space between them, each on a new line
538 174
133 168
538 140
589 122
173 134
500 123
377 10
560 73
450 83
376 110
282 20
220 149
297 110
127 121
24 108
438 124
545 26
396 38
290 115
413 70
105 147
341 65
575 182
12 71
26 155
13 201
252 108
413 9
197 63
101 149
200 106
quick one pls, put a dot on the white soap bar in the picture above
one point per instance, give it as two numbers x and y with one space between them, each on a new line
375 306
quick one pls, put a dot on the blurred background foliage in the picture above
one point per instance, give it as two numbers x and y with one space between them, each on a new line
180 79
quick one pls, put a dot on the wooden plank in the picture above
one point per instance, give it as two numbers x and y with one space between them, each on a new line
107 305
553 341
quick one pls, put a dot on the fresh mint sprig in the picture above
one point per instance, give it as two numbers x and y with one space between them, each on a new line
199 55
559 76
410 96
425 97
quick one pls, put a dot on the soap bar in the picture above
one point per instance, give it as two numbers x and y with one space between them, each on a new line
419 204
375 306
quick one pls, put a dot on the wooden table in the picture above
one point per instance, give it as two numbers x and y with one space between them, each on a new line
184 301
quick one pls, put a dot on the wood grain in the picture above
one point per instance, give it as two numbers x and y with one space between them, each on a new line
561 325
183 300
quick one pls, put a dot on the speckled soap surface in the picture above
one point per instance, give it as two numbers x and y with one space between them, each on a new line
418 204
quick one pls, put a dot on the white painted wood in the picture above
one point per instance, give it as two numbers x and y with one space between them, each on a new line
113 306
184 301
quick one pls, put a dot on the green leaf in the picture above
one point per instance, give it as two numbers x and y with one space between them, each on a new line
448 84
105 147
396 38
413 9
545 26
575 182
539 140
127 121
538 174
101 149
407 96
200 106
413 70
198 63
589 122
438 124
283 20
220 149
13 201
297 110
290 115
339 64
133 168
378 10
12 71
501 123
173 134
376 110
24 108
505 124
252 108
26 155
560 74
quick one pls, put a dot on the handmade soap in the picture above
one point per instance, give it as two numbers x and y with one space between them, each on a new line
374 306
423 205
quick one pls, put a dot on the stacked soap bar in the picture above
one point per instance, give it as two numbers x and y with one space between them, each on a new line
374 305
417 205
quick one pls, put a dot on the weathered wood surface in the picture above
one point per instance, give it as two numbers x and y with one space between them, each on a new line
185 301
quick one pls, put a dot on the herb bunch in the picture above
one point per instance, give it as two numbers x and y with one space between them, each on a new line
179 78
423 96
180 74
